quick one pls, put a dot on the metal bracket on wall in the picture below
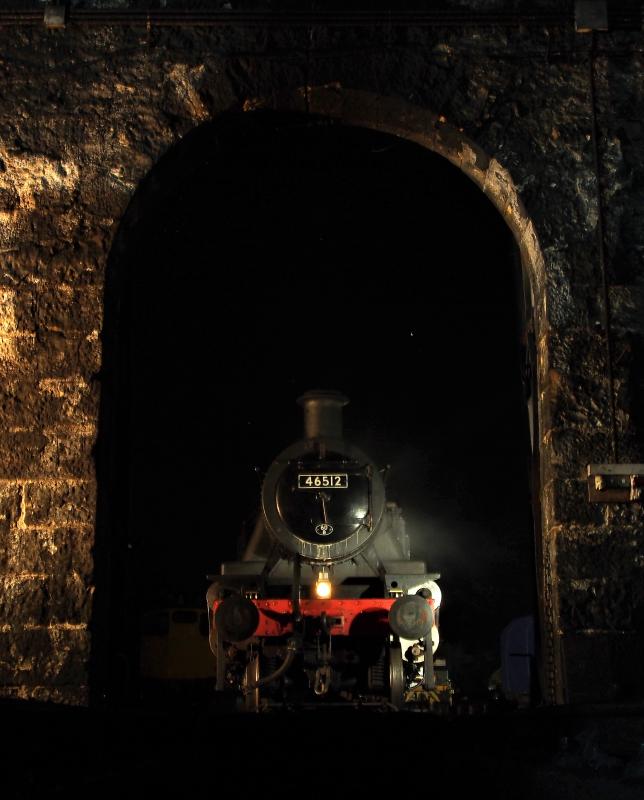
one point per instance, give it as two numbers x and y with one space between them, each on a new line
55 16
615 483
591 15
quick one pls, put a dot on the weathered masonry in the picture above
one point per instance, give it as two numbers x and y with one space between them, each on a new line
541 108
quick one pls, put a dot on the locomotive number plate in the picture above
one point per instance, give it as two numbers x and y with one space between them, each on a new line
334 480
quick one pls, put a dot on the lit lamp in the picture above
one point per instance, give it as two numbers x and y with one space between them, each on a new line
323 586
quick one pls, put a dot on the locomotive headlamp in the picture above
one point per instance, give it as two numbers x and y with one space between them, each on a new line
323 586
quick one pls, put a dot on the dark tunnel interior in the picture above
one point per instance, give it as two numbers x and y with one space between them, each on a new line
267 255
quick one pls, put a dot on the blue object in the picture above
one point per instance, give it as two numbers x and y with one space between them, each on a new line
517 656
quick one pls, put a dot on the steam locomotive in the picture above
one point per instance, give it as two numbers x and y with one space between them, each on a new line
326 606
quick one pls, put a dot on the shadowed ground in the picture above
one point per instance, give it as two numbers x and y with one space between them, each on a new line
545 753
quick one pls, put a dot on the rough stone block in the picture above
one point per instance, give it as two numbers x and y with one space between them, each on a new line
50 655
630 447
626 304
566 305
63 308
69 454
27 454
577 352
75 400
10 507
626 516
51 353
60 502
69 599
40 599
602 667
600 578
23 599
586 604
576 402
79 263
21 453
568 451
60 552
566 501
58 308
48 403
69 695
17 310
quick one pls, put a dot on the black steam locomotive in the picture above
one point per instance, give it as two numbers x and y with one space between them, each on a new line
326 605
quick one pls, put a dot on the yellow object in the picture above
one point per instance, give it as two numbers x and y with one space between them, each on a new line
174 645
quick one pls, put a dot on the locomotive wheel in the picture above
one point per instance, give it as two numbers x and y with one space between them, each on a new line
396 676
376 673
251 675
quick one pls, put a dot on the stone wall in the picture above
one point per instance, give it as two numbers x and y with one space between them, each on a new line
85 113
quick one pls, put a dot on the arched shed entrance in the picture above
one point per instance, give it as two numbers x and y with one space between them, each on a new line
384 116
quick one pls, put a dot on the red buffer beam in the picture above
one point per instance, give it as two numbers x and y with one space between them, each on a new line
360 617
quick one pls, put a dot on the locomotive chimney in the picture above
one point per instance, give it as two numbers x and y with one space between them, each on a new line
322 413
